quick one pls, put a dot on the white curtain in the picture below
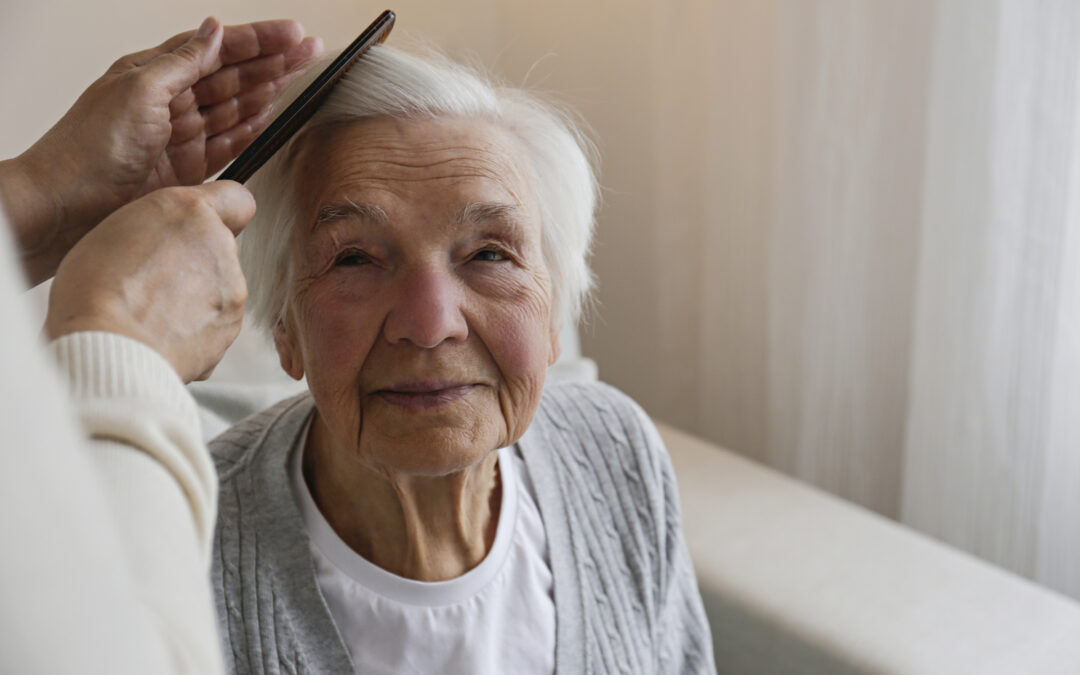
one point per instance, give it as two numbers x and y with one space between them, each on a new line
924 347
848 152
993 430
867 217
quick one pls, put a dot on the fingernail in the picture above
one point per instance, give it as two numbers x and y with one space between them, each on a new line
209 25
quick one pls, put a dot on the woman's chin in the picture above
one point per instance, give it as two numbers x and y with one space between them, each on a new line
432 445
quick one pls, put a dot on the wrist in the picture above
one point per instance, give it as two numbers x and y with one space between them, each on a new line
31 211
102 365
104 316
37 215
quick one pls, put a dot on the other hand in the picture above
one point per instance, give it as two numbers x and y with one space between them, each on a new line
171 115
162 270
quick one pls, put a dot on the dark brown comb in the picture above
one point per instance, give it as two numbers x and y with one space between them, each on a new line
305 105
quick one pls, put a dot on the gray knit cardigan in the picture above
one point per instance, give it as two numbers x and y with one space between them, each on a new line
626 600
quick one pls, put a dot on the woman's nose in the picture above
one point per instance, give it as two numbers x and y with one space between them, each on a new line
427 309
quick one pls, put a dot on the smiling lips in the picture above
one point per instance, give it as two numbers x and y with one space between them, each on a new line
424 395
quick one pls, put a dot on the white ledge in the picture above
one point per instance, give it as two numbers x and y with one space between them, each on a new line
798 581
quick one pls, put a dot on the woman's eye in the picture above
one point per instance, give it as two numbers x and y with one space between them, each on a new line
488 255
351 259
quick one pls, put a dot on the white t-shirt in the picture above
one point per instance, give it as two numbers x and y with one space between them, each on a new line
498 617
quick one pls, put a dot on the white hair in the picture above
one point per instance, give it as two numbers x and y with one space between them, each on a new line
388 82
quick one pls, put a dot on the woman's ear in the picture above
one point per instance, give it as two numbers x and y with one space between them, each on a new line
287 350
555 349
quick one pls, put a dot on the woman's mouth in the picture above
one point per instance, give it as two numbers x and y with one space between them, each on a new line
424 396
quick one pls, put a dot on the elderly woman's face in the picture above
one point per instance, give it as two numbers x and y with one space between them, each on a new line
420 311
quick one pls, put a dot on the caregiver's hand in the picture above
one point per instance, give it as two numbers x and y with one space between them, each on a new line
171 115
162 270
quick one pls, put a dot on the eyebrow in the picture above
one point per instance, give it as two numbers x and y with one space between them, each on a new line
366 213
505 216
476 213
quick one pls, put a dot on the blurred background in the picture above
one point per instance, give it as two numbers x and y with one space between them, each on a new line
838 237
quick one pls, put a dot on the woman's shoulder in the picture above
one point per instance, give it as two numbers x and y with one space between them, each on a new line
589 398
594 425
241 444
606 488
596 407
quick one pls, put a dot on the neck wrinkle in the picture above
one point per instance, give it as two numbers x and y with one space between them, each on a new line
418 527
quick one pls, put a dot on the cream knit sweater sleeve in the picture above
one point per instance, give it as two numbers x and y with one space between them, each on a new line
127 397
107 502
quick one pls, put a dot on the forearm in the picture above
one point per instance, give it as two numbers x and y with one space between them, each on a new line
42 228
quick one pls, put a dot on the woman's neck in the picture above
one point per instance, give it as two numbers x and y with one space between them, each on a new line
428 528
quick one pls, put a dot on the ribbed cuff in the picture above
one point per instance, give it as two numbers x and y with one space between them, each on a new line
126 392
100 365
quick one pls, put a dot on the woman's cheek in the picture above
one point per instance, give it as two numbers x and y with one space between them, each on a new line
521 317
518 336
504 280
339 326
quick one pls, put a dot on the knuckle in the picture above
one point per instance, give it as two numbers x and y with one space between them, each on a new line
179 59
182 56
189 208
200 208
178 195
162 202
221 240
231 334
232 248
122 64
185 203
241 290
234 302
204 211
235 292
141 81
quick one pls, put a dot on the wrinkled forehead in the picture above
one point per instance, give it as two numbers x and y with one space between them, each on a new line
390 159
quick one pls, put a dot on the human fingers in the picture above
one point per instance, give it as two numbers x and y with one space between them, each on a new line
142 57
182 103
232 201
261 38
187 128
234 80
224 147
177 70
192 146
220 118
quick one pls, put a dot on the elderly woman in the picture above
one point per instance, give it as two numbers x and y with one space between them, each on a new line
431 506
